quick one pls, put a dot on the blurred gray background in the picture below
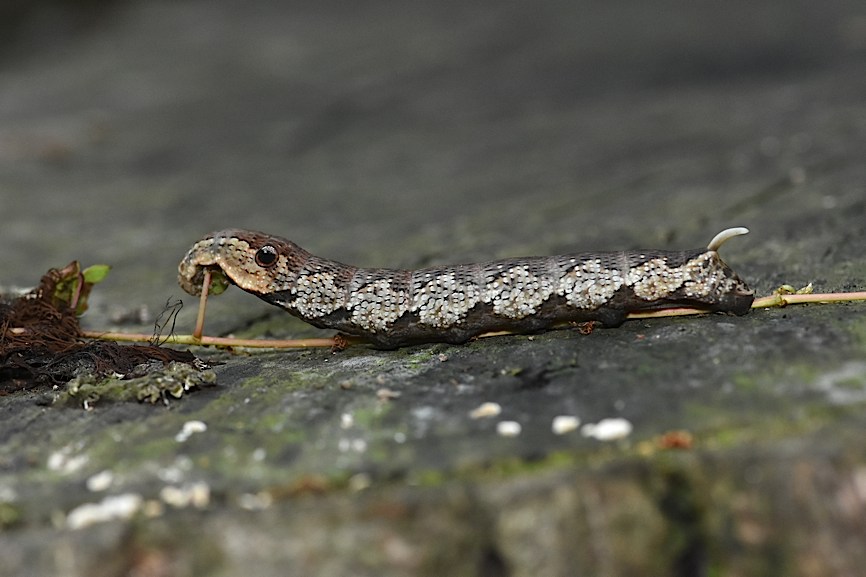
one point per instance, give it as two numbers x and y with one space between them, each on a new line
407 132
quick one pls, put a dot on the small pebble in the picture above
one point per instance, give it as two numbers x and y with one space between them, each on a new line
194 494
100 481
385 394
564 424
508 428
112 507
356 445
189 428
608 429
63 462
485 410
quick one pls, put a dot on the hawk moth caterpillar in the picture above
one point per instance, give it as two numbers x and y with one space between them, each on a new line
454 303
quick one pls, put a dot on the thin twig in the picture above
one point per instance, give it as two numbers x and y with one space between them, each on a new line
202 306
213 341
776 300
79 286
659 313
780 300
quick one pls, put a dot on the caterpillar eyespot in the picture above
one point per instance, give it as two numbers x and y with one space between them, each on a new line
393 307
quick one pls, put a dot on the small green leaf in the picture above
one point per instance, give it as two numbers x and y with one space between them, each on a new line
73 285
95 273
218 282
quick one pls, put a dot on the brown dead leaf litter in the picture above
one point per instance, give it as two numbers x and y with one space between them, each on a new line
41 345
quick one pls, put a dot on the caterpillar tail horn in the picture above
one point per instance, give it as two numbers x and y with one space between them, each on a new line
723 237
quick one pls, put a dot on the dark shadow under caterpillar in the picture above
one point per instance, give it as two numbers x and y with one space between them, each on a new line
393 308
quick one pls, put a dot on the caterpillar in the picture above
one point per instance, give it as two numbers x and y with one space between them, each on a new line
393 308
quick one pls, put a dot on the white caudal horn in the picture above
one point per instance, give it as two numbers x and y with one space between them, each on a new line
723 236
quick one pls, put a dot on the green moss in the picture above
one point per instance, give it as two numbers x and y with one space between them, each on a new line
371 417
746 383
851 383
428 478
10 515
160 384
856 326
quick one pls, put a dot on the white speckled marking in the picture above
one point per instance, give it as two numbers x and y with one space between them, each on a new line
517 293
655 280
443 302
589 285
375 305
701 279
317 294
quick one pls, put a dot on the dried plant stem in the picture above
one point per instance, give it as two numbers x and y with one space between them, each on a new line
202 306
780 300
672 312
212 341
776 300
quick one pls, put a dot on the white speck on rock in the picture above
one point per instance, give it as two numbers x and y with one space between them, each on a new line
354 445
608 429
175 472
195 494
63 461
386 394
7 494
346 420
190 428
424 413
485 410
508 428
564 424
100 481
111 508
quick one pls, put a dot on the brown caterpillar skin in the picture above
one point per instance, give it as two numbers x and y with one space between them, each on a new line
393 308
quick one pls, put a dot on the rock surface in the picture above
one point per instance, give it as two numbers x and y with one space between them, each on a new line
407 134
